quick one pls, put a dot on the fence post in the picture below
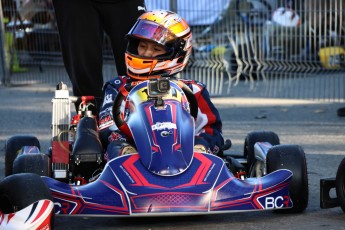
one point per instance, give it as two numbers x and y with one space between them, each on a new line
173 8
3 53
173 5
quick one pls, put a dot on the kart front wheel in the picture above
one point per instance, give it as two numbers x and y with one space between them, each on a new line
291 157
13 145
340 184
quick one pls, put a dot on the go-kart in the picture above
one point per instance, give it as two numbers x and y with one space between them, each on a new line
165 176
337 183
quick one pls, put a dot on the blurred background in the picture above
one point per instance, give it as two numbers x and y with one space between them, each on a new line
270 48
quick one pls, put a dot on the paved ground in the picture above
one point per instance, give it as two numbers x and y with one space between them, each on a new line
312 124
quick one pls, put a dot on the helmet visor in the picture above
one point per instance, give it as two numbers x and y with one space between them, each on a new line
152 31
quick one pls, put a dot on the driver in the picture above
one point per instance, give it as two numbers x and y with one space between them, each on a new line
159 45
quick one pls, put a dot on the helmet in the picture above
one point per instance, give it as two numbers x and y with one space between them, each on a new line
286 17
165 28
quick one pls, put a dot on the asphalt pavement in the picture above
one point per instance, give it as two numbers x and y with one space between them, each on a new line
314 125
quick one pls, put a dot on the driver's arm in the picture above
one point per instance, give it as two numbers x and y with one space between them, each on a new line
108 131
208 126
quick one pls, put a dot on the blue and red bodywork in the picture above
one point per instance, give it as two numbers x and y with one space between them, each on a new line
166 177
126 187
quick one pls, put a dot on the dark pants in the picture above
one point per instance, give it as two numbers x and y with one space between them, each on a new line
81 25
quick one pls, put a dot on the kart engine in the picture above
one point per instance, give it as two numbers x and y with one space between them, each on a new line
76 151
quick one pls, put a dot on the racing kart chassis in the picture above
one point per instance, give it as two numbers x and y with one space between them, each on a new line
166 176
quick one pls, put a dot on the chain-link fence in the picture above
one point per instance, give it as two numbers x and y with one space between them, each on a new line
277 47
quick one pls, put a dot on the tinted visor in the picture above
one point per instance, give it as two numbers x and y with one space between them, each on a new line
151 31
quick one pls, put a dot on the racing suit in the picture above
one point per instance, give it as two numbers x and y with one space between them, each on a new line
208 125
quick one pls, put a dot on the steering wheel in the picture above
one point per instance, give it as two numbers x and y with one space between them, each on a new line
123 92
193 103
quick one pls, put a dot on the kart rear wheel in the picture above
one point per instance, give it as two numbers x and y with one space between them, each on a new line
12 146
251 139
340 184
32 163
20 190
291 157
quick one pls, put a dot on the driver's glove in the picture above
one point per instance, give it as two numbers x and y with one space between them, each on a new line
200 148
118 148
201 145
127 149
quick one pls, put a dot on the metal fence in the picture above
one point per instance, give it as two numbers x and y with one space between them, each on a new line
277 48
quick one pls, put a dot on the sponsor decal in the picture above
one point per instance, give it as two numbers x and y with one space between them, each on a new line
108 109
141 8
106 122
108 99
117 82
166 133
276 202
115 136
163 125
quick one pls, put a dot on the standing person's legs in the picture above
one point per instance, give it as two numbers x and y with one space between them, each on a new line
81 38
118 18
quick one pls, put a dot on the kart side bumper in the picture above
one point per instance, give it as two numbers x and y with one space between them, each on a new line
326 201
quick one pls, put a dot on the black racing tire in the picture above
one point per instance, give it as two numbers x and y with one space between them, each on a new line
12 145
32 163
340 184
291 157
20 190
341 112
251 139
